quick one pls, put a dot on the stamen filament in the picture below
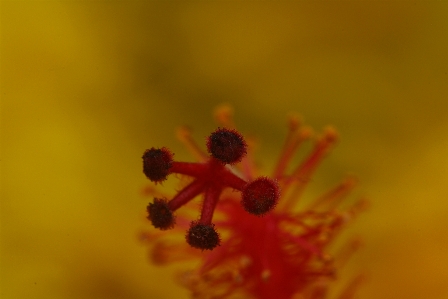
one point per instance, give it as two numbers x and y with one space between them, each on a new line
224 116
334 196
292 144
184 135
305 170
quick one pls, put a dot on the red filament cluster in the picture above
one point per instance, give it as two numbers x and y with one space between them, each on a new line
226 146
290 252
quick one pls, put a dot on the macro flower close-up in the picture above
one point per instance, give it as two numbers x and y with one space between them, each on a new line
223 149
270 250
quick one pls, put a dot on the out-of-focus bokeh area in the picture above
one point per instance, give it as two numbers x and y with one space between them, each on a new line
87 86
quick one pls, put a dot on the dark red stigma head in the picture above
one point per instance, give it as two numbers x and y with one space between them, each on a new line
227 145
157 163
202 236
160 214
260 196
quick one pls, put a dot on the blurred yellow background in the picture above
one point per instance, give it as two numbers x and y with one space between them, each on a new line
86 87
